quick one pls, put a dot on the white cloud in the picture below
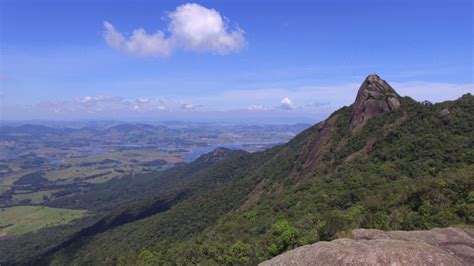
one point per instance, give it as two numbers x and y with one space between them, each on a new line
140 43
260 107
146 104
99 100
316 102
201 29
86 99
191 27
189 106
143 99
113 38
309 99
323 99
287 104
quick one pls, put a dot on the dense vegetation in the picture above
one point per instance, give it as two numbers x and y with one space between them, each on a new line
33 179
408 169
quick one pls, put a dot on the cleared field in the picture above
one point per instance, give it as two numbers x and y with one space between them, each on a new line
104 178
125 156
3 188
126 161
73 172
9 179
93 169
85 173
36 197
23 219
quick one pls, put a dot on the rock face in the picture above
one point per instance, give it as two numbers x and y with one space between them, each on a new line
375 96
444 113
447 246
321 143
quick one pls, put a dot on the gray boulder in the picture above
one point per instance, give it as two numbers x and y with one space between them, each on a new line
448 246
444 112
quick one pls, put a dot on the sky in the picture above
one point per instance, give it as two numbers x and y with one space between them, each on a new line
243 61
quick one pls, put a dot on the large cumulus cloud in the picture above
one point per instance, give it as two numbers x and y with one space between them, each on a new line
191 27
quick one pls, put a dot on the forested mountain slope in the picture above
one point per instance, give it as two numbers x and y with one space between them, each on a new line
408 167
385 162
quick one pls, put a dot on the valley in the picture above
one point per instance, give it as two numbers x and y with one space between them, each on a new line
44 163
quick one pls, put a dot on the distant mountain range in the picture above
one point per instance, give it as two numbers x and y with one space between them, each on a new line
385 162
140 132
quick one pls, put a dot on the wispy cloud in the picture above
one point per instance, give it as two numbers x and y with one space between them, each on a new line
190 106
191 27
140 43
260 107
285 104
314 101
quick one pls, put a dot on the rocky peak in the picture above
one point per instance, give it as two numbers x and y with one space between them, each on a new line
375 96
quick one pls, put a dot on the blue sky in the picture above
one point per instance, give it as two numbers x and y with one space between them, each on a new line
275 61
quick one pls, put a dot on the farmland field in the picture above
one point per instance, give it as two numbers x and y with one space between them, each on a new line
23 219
35 197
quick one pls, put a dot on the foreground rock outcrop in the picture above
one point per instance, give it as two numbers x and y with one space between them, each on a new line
447 246
375 96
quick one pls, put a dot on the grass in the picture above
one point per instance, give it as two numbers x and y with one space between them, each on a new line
142 155
73 172
104 178
124 157
23 219
3 188
9 179
36 197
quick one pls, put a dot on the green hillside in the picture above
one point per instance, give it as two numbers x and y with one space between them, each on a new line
409 167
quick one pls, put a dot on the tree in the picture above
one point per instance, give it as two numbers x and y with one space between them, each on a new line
285 237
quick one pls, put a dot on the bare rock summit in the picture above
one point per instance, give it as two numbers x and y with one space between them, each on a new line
447 246
375 96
